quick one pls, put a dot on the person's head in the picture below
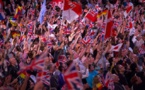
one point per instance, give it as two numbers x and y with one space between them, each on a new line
133 67
29 57
91 67
120 69
51 67
12 59
124 52
48 59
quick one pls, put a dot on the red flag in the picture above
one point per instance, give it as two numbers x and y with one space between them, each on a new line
91 15
109 25
128 9
71 11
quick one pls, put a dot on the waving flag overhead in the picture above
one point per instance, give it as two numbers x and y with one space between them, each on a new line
91 15
116 47
128 9
18 12
72 78
109 26
86 40
71 10
13 21
42 12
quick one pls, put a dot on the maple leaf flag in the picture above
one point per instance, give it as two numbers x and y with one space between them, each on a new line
91 15
109 25
128 9
116 48
71 10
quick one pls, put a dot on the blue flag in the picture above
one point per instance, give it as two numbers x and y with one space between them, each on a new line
42 12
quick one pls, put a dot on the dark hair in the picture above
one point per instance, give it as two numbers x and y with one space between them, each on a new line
133 66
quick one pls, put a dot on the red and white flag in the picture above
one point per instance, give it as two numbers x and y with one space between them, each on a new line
116 48
71 10
91 15
109 25
130 25
128 9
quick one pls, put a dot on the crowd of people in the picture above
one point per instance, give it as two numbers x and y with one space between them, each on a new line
37 56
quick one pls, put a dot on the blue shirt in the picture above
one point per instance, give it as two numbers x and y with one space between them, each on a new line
91 77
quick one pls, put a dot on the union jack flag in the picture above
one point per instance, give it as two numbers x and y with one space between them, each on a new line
49 44
86 40
30 26
62 58
44 76
35 65
32 11
108 81
67 31
72 78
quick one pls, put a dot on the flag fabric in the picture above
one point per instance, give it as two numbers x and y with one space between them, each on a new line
13 21
37 64
97 8
109 25
15 34
62 58
116 48
42 12
91 15
104 12
67 31
130 25
72 78
71 10
18 12
128 9
86 40
108 81
30 26
2 15
44 77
